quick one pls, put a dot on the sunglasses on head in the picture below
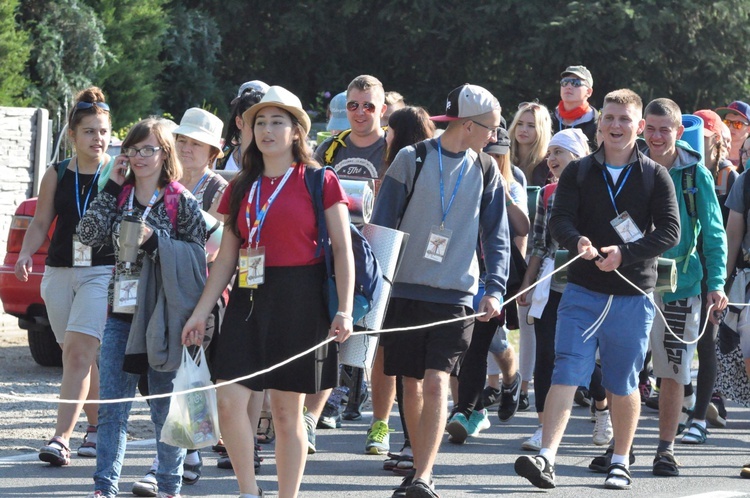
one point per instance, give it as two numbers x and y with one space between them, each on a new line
353 105
576 82
737 125
530 105
89 105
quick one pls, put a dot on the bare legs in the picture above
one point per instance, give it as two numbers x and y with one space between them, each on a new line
80 381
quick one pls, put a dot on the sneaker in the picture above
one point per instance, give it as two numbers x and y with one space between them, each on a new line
353 410
165 495
400 491
523 402
458 428
534 443
478 421
147 485
88 448
645 390
696 434
602 463
509 399
310 427
603 428
537 470
330 418
745 471
582 397
378 439
55 452
490 396
665 465
618 477
421 489
98 494
717 413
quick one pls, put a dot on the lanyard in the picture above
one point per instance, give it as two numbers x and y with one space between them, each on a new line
260 214
442 185
150 203
612 197
81 212
200 182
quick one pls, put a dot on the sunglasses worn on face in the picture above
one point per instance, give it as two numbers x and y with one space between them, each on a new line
737 125
146 151
352 106
576 82
89 105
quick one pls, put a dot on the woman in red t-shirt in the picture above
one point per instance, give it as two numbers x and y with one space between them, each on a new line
277 308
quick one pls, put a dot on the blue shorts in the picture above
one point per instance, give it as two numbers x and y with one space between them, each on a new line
622 339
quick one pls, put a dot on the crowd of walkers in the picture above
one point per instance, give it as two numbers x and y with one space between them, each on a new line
491 210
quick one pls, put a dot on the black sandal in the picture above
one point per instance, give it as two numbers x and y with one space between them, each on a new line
618 477
266 433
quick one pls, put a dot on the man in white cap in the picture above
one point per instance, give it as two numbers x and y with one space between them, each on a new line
447 196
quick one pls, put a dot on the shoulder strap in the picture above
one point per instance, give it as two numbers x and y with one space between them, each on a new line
485 161
583 168
421 149
172 201
61 167
124 194
338 140
689 190
547 192
746 194
211 188
314 181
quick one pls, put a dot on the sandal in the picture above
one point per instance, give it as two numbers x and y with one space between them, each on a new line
191 473
88 448
698 437
266 433
618 477
219 447
56 452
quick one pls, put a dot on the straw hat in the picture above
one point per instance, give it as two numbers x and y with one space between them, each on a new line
201 126
284 99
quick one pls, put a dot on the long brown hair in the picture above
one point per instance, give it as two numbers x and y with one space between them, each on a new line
253 167
409 126
171 170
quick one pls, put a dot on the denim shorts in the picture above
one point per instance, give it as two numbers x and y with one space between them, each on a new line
622 338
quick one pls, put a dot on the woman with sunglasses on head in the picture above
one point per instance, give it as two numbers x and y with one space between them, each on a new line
74 286
143 198
278 309
238 134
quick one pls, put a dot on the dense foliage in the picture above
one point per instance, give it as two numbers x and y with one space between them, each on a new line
154 56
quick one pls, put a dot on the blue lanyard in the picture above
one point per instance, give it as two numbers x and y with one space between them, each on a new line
612 197
442 185
200 182
260 214
151 203
81 212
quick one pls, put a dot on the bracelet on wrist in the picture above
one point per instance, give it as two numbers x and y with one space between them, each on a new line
344 315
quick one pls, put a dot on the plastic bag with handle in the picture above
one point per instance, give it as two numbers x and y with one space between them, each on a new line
193 419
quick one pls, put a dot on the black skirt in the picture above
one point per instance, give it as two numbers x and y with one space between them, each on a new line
287 315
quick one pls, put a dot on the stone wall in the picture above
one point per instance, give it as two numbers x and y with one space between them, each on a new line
19 149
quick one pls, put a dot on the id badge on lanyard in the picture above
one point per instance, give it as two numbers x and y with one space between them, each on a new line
626 228
82 254
126 293
252 267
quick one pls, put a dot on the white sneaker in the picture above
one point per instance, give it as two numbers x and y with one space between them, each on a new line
603 429
534 443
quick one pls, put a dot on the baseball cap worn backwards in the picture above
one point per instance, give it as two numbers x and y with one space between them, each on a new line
468 101
736 107
579 72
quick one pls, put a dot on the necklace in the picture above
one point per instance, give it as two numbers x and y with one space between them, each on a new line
274 178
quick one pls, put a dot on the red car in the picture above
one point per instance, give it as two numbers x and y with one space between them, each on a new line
22 299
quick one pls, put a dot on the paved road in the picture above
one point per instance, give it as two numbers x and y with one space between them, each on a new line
482 467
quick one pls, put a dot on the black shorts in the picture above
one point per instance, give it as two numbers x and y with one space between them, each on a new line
411 353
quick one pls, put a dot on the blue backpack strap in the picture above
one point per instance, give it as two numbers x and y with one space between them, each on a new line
61 167
315 180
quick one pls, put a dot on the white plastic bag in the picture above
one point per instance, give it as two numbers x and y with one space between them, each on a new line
193 419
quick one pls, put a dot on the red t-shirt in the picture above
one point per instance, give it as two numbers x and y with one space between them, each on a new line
290 230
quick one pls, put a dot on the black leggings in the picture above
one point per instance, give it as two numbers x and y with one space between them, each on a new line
706 366
544 330
473 371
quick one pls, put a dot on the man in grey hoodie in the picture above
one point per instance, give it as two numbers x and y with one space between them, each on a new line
446 203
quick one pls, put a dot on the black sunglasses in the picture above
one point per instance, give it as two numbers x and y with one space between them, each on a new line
89 105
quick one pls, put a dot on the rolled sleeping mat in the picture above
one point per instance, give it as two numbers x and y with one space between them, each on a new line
361 199
693 133
666 272
214 229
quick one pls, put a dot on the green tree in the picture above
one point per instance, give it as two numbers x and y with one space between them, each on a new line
14 52
134 31
67 51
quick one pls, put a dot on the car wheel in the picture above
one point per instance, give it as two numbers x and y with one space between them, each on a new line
44 348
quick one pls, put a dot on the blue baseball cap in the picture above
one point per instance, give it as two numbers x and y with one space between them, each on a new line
338 121
736 107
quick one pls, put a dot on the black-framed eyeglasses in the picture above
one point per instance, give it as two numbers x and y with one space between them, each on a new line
576 82
89 105
146 151
353 105
491 129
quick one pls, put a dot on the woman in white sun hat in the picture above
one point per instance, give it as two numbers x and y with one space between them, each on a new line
285 312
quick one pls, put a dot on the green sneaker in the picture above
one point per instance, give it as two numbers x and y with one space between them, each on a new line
378 439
